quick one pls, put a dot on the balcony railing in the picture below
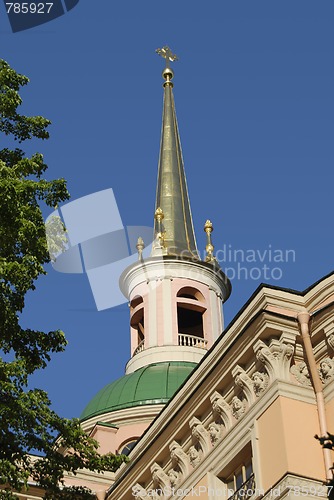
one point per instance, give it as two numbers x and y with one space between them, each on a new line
184 340
192 341
139 348
246 490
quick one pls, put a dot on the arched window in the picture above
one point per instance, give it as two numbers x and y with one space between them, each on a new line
190 310
136 301
137 321
190 322
189 292
127 447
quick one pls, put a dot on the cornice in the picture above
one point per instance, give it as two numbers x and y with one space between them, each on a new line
156 269
136 414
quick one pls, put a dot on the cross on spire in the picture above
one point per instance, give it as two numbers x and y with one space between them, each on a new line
167 54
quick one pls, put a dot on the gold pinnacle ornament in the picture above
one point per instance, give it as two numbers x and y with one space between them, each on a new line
140 247
159 215
208 228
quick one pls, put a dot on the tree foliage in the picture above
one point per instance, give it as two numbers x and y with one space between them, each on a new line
27 423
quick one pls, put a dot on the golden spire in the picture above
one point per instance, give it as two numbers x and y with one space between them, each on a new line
172 194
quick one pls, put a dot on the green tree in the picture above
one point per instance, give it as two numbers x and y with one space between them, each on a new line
27 423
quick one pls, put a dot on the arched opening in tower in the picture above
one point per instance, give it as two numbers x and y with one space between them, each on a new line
190 322
137 321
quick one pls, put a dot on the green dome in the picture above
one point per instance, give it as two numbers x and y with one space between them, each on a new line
152 384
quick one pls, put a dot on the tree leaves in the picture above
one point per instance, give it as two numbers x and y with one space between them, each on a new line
27 423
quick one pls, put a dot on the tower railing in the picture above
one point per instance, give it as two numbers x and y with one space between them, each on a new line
139 348
192 341
185 340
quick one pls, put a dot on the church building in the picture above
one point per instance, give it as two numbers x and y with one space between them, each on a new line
205 411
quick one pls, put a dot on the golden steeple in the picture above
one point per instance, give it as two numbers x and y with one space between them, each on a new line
176 232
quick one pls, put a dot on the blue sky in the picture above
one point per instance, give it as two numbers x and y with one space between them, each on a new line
254 91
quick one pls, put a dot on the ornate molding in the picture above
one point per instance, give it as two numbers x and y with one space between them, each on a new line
242 380
326 369
159 477
329 332
260 382
179 458
195 456
276 357
200 435
301 374
174 477
215 433
238 407
222 408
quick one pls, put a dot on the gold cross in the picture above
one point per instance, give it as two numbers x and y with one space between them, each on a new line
167 54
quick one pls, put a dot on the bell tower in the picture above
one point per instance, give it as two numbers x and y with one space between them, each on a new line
175 297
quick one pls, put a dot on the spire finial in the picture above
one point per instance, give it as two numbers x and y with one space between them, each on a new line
158 216
168 55
208 228
140 247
